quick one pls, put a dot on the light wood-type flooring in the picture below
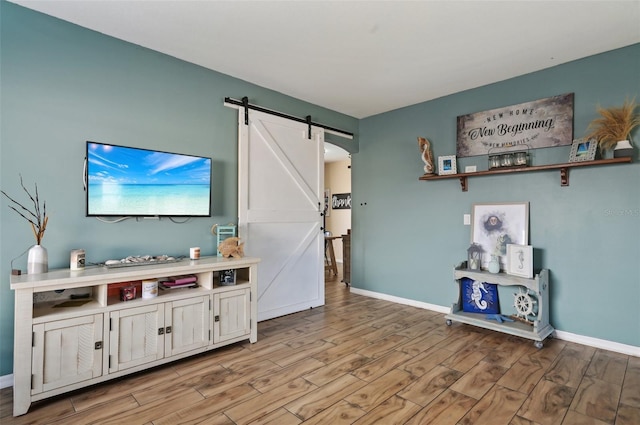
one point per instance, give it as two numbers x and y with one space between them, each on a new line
360 360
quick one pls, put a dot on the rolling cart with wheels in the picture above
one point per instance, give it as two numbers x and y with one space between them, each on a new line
531 304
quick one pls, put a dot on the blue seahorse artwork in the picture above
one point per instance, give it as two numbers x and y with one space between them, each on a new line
479 297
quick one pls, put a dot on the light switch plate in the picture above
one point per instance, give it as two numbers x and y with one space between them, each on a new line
467 219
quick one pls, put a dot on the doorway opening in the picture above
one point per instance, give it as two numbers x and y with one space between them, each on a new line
337 218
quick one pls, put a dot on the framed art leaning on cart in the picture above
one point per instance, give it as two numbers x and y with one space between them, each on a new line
520 260
494 226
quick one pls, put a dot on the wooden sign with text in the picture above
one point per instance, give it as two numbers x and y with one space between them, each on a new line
542 123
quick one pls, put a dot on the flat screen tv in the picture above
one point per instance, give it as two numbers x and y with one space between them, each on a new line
126 181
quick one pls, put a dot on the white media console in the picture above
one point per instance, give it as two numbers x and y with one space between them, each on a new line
73 330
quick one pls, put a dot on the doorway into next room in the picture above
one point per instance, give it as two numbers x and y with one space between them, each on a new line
337 223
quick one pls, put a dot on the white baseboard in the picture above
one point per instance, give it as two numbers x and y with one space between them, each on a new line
399 300
604 344
629 350
6 381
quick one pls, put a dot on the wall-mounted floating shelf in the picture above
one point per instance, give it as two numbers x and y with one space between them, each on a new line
564 170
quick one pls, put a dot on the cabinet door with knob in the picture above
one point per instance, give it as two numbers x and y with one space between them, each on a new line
231 314
66 352
152 332
186 325
136 336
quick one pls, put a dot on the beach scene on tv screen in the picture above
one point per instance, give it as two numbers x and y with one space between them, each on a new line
130 181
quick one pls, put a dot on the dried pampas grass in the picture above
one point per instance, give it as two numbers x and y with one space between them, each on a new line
615 124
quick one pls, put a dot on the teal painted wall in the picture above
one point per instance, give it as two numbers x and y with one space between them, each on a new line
62 85
408 234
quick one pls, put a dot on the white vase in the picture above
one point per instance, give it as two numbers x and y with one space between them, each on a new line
37 260
623 148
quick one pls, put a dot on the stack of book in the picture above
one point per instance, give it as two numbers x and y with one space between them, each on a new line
175 282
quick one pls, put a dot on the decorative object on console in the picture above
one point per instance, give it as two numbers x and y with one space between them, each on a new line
149 288
479 297
227 277
77 259
427 156
177 282
231 247
127 293
583 150
447 165
140 260
222 233
614 126
180 280
520 260
37 259
493 226
474 256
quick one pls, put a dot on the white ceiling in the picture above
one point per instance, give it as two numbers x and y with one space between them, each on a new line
363 58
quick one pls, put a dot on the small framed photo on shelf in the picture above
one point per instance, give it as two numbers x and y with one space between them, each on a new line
583 150
447 165
227 277
520 260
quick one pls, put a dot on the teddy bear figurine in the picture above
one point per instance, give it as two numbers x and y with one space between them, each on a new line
231 247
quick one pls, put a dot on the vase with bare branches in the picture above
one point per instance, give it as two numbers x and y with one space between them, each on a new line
37 260
612 130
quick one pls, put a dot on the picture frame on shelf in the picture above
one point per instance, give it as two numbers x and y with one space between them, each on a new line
494 226
227 277
583 150
520 260
447 165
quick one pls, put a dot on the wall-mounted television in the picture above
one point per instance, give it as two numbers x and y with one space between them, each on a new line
127 181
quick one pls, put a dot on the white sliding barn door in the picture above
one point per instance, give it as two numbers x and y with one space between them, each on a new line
281 182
